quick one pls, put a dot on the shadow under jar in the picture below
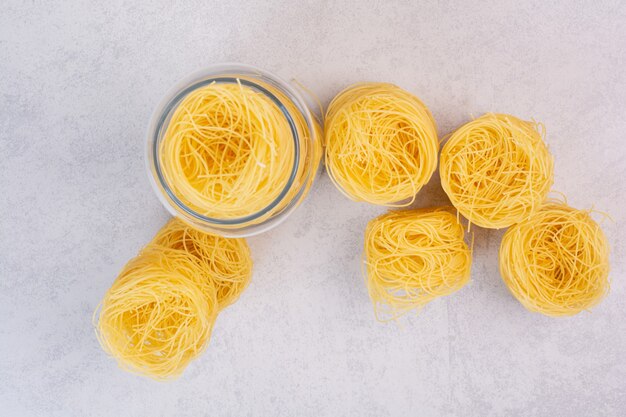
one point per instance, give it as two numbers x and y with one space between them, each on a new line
233 150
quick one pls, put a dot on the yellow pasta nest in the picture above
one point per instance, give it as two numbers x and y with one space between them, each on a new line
155 319
227 262
381 144
229 151
496 170
557 262
159 313
413 257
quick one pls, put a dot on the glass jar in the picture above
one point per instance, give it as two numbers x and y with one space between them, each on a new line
307 147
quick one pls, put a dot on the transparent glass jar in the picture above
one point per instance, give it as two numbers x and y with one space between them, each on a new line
307 141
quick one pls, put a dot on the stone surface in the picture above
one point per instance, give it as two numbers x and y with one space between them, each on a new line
78 82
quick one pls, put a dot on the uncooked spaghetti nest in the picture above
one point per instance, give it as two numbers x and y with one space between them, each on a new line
226 261
413 257
381 144
229 151
496 170
557 262
159 313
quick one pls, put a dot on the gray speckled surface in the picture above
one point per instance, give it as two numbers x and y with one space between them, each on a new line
78 83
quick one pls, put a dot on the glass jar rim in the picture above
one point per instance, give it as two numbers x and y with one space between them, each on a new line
224 73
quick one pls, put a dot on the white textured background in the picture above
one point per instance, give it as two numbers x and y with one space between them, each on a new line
78 82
